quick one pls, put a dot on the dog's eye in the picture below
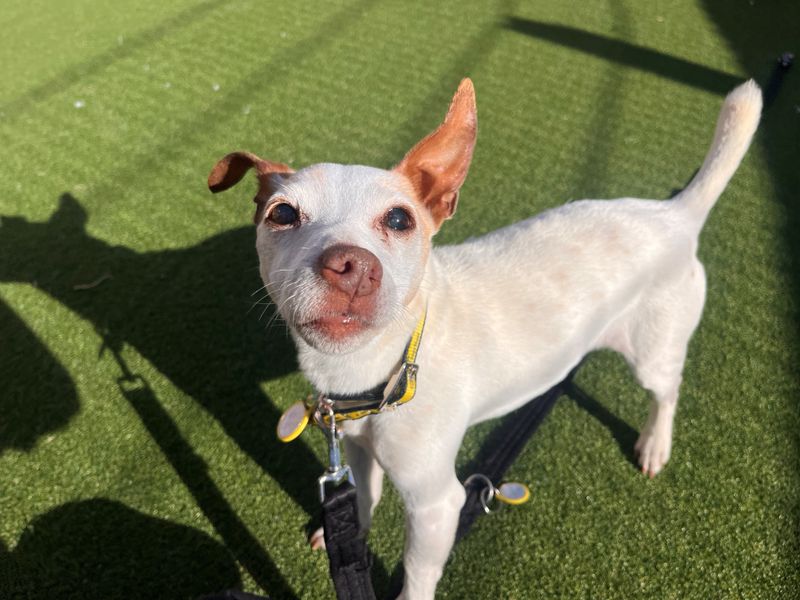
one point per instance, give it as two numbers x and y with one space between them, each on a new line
283 214
398 219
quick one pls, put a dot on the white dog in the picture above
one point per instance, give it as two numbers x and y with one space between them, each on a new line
346 255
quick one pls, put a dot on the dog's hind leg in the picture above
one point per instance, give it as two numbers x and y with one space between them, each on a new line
657 340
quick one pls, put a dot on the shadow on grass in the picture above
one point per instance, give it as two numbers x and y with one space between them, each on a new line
627 54
185 312
38 395
624 434
84 550
193 472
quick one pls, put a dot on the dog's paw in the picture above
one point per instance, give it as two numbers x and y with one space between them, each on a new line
317 540
653 449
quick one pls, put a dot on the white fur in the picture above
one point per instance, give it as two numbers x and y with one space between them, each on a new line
509 315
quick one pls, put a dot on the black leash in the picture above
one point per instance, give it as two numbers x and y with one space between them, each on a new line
501 450
346 544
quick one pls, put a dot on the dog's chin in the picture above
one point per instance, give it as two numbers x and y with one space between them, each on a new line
335 334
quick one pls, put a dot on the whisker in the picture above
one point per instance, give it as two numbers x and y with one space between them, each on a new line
259 289
279 308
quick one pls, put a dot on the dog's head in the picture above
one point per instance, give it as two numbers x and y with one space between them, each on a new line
343 248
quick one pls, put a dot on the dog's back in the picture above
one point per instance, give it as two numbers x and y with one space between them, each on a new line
589 274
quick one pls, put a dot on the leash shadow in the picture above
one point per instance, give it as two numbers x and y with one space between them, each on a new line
193 472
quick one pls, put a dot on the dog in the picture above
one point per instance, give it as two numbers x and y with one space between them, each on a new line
345 253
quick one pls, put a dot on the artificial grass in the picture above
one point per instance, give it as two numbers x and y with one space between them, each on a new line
173 484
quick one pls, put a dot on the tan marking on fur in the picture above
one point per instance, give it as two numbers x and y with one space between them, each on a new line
231 168
437 166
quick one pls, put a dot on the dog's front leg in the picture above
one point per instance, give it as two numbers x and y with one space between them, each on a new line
369 479
432 511
368 476
417 448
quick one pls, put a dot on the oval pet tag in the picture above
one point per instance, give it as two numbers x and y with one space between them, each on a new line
293 421
513 493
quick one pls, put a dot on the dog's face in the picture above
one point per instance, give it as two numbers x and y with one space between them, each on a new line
343 249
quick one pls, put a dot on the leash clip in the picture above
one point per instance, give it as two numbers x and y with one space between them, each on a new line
511 493
337 471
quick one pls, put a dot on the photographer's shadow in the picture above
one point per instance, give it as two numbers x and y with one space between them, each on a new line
186 312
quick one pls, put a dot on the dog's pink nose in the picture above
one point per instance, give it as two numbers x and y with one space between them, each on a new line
353 270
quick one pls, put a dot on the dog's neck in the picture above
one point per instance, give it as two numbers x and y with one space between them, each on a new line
372 363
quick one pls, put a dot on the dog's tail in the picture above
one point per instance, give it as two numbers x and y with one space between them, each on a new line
736 124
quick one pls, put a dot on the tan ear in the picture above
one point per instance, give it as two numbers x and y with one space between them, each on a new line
438 165
230 170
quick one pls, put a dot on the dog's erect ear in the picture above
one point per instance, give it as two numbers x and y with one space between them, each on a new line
230 170
437 166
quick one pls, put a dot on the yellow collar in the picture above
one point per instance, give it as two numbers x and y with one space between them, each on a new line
398 389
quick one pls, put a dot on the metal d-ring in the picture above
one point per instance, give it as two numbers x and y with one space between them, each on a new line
487 493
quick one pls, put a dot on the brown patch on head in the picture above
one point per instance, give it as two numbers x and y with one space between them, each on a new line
232 167
437 166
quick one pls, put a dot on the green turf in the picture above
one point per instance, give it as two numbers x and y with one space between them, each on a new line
111 115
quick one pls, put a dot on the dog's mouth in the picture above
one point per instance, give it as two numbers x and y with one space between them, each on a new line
335 327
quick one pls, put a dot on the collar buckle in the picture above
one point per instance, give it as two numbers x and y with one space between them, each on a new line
397 387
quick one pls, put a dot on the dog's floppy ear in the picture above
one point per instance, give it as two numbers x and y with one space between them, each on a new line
437 166
231 168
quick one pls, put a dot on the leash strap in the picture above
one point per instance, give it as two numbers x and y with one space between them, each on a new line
503 447
346 545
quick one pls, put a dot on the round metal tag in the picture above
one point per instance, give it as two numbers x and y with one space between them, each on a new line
513 493
292 422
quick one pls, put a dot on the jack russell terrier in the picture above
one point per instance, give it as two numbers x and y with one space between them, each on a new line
346 255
